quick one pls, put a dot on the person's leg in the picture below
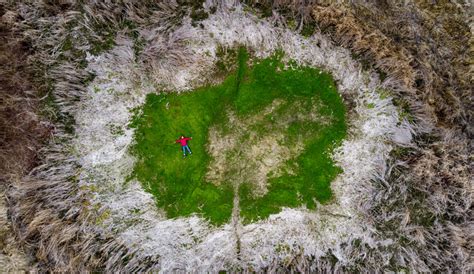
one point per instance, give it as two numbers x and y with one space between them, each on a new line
184 150
189 150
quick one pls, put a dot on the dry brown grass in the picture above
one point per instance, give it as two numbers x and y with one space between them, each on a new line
423 47
366 42
47 232
46 207
423 50
22 130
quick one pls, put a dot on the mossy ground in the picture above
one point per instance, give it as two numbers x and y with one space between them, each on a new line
180 185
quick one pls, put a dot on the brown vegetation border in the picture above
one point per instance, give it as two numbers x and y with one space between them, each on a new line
421 50
22 130
424 51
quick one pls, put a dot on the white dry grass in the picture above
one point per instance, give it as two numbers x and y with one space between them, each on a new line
191 243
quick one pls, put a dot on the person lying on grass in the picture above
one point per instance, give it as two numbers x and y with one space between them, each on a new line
184 144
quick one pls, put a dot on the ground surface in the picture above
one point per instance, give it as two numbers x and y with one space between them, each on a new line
72 71
265 133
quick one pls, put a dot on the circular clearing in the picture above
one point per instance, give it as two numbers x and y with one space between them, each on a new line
261 140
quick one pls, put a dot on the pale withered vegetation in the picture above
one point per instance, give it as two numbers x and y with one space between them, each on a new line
423 52
33 124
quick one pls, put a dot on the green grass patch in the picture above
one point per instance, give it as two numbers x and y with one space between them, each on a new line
180 185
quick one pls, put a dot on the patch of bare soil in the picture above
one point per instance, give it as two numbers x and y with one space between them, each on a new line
255 148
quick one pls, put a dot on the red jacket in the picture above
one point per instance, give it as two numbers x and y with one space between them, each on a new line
183 141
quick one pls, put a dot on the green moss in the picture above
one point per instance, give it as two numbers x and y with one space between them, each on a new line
70 52
331 258
116 130
139 41
105 43
51 111
102 217
89 78
179 184
227 60
404 111
308 29
384 94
